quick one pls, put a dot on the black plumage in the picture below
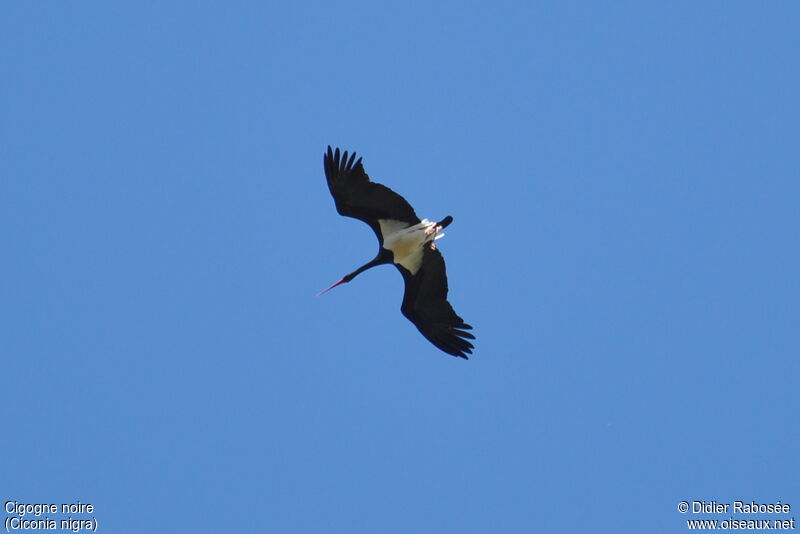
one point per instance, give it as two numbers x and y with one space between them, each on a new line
357 196
425 299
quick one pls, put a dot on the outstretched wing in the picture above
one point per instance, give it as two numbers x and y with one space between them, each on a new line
356 196
425 304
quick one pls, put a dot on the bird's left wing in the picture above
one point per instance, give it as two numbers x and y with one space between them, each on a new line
425 304
358 197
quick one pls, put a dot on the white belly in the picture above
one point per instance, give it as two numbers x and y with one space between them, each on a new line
407 242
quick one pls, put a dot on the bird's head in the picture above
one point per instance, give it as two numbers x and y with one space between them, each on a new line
383 257
346 278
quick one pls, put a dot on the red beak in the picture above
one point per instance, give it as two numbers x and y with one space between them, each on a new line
334 285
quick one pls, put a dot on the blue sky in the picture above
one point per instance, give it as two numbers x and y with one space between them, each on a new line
624 182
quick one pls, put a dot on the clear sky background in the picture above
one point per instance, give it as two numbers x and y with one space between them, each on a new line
624 178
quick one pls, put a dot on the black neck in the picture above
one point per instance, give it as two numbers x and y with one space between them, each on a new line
383 257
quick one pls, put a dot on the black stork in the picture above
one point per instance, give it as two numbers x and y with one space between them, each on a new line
408 243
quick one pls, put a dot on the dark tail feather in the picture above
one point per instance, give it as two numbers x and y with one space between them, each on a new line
445 222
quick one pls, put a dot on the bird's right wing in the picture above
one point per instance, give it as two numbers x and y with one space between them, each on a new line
425 304
356 196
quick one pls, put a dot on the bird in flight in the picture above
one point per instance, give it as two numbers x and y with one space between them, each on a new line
408 243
